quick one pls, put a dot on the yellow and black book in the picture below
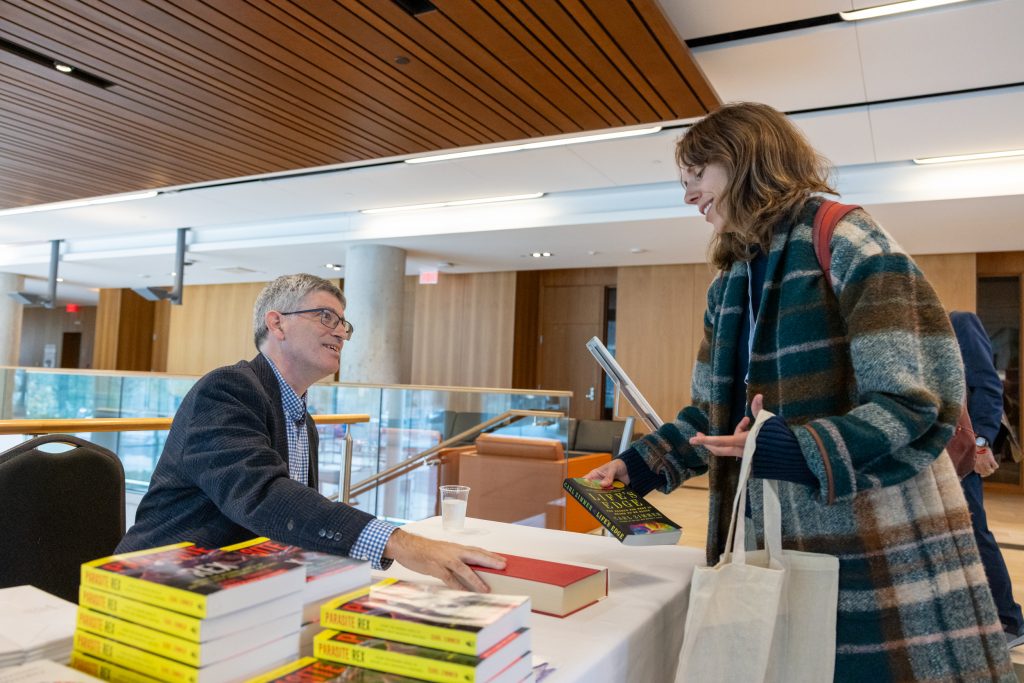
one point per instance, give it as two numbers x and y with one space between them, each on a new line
246 664
194 581
182 650
106 671
428 615
423 663
181 625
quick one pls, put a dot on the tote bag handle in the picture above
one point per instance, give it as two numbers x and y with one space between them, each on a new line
772 508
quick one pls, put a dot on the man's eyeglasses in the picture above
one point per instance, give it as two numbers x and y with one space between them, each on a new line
328 318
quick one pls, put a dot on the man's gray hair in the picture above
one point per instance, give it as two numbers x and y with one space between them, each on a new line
286 294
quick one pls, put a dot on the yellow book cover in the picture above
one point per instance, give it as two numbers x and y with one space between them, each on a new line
106 671
428 615
151 640
183 626
415 661
195 581
186 651
259 656
168 621
133 658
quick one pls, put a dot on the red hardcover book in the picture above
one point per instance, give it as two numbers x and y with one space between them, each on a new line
555 588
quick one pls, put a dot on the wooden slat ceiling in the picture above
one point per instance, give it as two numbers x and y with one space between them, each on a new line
205 90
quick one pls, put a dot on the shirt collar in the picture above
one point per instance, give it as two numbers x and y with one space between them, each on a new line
293 404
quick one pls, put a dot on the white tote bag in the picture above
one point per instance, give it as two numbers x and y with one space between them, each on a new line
767 615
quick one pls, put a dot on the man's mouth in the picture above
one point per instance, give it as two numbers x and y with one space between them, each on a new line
333 347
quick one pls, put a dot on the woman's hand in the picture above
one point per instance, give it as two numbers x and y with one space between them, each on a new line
730 445
609 472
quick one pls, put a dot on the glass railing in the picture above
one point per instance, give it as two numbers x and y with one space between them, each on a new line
404 421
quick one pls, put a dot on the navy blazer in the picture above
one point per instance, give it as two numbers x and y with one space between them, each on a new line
984 388
223 475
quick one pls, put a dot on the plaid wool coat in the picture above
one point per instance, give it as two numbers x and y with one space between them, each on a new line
866 371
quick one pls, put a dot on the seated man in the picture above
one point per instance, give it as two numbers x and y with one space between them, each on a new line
241 457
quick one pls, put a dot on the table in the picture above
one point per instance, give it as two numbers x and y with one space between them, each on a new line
632 635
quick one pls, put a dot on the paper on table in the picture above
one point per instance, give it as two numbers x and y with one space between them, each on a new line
43 671
32 621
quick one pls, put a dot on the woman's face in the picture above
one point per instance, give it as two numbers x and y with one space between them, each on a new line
705 188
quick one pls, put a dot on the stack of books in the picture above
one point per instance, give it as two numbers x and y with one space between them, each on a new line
185 614
34 625
428 632
327 576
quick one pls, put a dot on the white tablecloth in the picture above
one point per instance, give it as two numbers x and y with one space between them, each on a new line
632 635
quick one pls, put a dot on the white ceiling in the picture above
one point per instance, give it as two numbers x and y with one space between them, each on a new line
617 202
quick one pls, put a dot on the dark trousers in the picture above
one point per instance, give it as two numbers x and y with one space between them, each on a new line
992 557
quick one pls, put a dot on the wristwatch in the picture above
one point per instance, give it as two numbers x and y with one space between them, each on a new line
981 442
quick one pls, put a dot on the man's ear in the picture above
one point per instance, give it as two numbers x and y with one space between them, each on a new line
274 321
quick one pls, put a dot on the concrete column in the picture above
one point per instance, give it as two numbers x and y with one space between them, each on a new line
10 318
374 288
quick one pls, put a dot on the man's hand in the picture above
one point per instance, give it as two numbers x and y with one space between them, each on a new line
985 462
730 445
609 472
441 559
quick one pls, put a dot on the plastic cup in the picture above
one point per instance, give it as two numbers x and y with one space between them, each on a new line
453 507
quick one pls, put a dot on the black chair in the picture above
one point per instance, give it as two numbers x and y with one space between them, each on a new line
59 510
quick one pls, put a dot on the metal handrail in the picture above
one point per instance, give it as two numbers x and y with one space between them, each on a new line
395 471
130 424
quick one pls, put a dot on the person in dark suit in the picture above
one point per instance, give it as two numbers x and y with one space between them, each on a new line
241 456
985 406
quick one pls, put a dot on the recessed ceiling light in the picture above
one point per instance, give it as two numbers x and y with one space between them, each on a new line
457 202
970 157
559 142
63 68
541 254
637 250
893 8
332 266
60 279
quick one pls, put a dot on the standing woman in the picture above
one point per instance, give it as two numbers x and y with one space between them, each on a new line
864 377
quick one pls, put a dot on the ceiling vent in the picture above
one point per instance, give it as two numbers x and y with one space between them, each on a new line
415 7
237 270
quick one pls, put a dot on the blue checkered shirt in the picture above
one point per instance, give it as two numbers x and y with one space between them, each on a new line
374 536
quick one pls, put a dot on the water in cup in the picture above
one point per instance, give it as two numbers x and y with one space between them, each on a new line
453 514
453 507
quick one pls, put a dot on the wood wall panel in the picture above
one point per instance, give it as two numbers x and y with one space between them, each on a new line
1001 263
108 315
659 328
124 331
954 277
571 312
463 331
135 333
212 327
527 330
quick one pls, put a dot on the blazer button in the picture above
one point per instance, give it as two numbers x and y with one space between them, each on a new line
323 532
337 536
291 525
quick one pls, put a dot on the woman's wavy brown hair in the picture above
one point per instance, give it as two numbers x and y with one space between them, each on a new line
772 171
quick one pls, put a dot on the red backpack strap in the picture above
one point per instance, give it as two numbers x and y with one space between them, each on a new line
825 220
